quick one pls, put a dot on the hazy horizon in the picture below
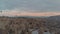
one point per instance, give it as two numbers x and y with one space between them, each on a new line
27 13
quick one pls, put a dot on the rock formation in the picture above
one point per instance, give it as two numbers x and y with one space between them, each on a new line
11 25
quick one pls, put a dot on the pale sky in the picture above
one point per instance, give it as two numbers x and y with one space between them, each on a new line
39 5
30 7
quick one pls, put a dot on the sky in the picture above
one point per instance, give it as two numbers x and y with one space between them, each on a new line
39 5
30 5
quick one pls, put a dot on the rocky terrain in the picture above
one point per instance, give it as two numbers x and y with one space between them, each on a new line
26 25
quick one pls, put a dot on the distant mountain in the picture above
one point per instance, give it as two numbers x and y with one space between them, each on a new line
57 18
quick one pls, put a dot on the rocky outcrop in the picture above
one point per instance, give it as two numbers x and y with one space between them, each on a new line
23 25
